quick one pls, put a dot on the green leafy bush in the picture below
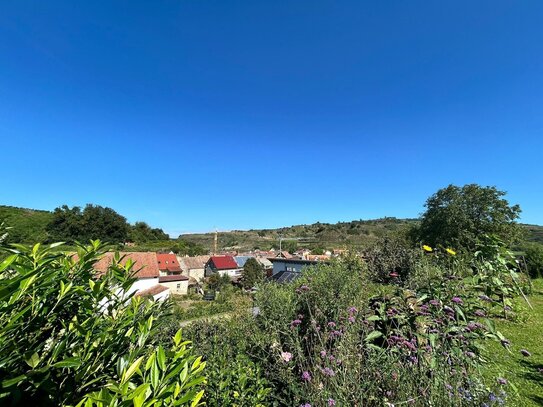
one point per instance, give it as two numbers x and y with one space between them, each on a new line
533 256
71 337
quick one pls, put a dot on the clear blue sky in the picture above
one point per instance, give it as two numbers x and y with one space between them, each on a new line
198 114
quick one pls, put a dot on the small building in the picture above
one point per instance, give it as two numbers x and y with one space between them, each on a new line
177 283
193 267
224 265
283 255
168 264
287 270
145 270
157 292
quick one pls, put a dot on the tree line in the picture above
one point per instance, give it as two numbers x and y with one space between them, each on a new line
78 224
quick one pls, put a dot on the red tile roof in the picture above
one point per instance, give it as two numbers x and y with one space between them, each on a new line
168 262
167 279
224 262
146 261
154 290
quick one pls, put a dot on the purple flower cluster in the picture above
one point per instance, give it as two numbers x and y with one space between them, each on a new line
295 323
306 376
457 300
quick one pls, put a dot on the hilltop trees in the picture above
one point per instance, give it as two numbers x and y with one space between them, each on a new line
460 216
142 232
93 222
98 222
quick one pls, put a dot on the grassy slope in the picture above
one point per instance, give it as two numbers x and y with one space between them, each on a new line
521 371
28 225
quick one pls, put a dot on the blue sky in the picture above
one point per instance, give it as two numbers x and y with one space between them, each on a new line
193 115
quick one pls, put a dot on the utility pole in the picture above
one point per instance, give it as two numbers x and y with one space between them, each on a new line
215 241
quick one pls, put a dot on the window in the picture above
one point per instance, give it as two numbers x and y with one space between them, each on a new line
178 286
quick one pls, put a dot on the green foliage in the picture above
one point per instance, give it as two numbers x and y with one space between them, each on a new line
458 217
218 281
234 378
390 259
141 232
93 222
290 245
69 336
253 273
187 248
533 256
27 225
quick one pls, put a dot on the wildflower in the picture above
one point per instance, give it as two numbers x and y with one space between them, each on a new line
323 353
470 355
524 352
306 376
451 252
479 313
286 356
505 342
485 298
295 323
352 310
351 319
448 310
394 275
435 303
331 402
502 381
328 372
335 333
457 300
304 288
305 405
427 248
331 324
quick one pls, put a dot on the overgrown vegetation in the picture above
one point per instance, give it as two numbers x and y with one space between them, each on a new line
71 337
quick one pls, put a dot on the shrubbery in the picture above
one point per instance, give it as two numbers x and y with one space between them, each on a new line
71 337
336 336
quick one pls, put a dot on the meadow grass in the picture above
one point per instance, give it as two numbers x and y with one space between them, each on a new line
523 373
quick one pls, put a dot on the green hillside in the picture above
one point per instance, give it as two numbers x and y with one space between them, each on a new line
357 233
28 225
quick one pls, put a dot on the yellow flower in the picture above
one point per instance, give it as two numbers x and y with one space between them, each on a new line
427 248
451 252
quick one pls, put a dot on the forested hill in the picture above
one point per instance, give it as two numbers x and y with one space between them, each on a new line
29 225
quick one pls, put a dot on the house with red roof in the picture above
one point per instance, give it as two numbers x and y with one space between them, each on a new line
152 277
224 265
168 264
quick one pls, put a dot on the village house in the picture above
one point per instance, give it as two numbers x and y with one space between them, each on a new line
168 264
176 283
223 265
193 267
287 270
147 273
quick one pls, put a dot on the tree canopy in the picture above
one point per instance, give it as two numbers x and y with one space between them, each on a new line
252 273
460 216
142 232
93 222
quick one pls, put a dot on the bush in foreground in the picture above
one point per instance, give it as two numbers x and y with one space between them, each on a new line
71 337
